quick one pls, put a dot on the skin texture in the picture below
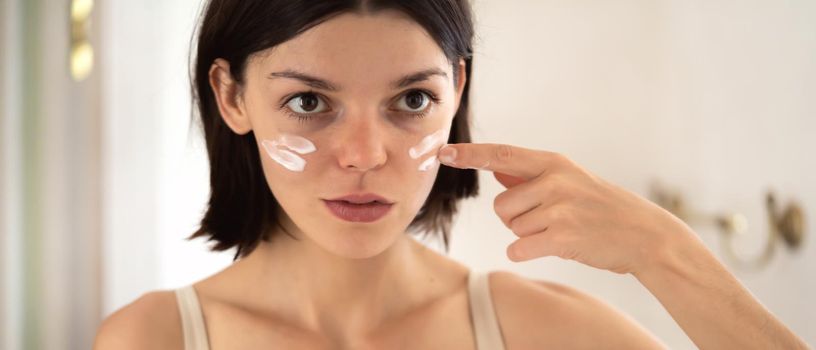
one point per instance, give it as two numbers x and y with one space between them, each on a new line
362 137
557 208
339 285
285 149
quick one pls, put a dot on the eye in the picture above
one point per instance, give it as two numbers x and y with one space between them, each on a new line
414 101
306 103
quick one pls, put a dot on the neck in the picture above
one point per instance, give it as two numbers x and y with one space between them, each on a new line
328 294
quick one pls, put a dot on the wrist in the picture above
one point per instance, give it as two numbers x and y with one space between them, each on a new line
671 254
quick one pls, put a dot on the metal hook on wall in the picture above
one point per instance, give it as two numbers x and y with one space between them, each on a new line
789 224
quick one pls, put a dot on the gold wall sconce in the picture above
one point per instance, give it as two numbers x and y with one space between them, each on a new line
787 224
82 54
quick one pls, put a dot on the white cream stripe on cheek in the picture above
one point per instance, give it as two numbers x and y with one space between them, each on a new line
287 158
297 144
427 164
429 143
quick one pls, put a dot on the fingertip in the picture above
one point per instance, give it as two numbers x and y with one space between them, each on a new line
514 253
447 154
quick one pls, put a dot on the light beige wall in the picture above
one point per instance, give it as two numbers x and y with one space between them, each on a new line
739 77
131 87
713 97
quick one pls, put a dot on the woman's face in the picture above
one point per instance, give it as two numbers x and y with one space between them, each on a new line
357 92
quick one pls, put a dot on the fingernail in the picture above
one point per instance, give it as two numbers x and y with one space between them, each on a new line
447 154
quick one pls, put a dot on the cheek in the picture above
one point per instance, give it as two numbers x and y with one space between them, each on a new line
285 164
419 184
425 151
286 150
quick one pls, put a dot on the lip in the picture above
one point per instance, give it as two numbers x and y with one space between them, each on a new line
358 198
368 212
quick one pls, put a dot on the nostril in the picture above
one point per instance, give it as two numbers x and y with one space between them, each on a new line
362 161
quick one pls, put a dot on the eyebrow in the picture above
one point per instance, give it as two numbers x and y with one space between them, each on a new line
319 83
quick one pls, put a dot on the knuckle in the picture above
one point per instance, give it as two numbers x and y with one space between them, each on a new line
503 153
556 238
553 186
515 225
521 225
549 185
553 215
563 160
559 215
560 157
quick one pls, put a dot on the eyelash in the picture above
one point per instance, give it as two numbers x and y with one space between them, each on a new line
303 118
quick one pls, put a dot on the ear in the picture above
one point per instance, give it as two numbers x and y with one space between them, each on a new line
229 98
460 85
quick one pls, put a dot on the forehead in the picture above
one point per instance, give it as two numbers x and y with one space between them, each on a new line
352 46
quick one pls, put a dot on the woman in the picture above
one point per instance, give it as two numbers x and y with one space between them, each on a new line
324 121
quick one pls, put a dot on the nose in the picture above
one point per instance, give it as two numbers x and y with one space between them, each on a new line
361 144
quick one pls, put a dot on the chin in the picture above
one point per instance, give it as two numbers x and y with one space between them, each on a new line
359 244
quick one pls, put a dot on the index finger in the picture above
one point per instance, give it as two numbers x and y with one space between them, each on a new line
511 160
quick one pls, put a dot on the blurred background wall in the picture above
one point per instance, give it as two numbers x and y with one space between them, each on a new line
51 197
715 98
101 179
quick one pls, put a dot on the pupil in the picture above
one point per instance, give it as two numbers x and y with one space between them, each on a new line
415 99
308 102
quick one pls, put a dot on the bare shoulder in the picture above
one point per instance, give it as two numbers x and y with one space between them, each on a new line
540 314
150 322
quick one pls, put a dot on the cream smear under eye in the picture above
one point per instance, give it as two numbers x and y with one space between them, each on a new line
429 143
285 149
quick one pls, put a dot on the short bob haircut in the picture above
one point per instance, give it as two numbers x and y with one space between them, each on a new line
242 209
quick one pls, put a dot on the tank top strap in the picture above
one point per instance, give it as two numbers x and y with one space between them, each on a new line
485 324
192 319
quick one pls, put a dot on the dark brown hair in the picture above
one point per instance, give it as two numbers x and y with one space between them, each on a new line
242 209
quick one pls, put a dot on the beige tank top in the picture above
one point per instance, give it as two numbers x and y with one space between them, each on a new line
485 325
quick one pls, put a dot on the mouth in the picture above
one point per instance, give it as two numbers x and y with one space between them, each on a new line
362 198
358 212
361 207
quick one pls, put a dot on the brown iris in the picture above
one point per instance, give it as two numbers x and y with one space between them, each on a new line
414 99
309 102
